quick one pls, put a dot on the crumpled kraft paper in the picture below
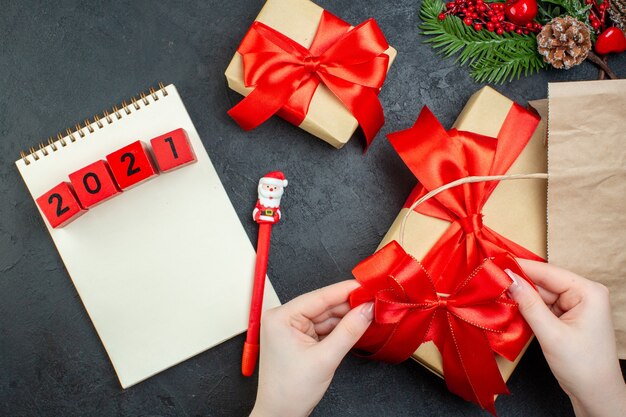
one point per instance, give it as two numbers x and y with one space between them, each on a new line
587 186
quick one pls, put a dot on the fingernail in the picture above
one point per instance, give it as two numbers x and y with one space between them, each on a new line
367 311
516 280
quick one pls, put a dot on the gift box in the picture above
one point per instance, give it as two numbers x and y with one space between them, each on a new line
312 69
451 254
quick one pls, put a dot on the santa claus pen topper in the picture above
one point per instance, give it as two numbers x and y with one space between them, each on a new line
266 213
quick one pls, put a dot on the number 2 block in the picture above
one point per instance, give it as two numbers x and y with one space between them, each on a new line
131 165
94 184
172 150
60 205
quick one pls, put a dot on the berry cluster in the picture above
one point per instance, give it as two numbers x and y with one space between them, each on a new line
597 13
481 15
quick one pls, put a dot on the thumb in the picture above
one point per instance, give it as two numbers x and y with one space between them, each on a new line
539 317
348 331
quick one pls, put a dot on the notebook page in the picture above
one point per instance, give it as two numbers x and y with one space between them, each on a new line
164 269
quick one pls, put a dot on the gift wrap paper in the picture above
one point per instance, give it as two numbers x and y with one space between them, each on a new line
587 186
327 117
516 209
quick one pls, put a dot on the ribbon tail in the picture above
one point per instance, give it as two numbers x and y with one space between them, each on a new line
470 366
265 100
361 101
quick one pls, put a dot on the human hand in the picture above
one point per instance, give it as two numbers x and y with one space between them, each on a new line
302 344
571 317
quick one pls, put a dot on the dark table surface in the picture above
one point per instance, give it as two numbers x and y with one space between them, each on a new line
64 61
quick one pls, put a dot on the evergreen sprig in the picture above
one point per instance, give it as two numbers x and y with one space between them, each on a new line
492 58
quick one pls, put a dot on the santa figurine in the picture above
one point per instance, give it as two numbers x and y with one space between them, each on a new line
271 187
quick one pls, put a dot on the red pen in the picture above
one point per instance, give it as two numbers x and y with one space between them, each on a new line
266 213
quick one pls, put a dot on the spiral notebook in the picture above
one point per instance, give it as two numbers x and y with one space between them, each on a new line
164 269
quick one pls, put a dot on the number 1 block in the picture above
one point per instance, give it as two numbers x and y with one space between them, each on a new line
60 205
94 184
131 165
172 150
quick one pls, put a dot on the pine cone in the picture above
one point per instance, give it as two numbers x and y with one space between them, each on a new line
564 42
617 11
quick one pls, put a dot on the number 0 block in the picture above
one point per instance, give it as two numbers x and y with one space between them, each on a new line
172 150
131 165
60 205
94 184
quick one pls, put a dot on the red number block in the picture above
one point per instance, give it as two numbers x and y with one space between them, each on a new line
94 184
173 150
131 165
60 205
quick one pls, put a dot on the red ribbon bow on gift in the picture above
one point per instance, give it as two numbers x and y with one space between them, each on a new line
437 157
468 325
285 74
479 319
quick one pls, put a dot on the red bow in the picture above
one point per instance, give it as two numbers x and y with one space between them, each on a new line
437 157
350 62
469 324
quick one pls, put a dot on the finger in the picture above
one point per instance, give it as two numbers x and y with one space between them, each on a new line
552 278
325 327
347 332
551 299
539 317
548 297
339 310
314 303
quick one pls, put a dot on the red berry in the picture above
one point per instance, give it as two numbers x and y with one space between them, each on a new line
595 24
518 31
450 5
521 12
468 21
459 2
490 26
499 31
441 16
529 25
526 31
490 13
477 26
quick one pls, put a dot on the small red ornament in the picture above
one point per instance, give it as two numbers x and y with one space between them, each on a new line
611 40
521 12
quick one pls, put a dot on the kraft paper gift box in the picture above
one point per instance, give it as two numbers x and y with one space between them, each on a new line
327 117
516 209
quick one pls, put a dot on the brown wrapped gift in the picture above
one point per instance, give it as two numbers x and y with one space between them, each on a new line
516 209
327 117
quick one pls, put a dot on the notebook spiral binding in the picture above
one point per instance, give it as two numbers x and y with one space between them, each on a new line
79 132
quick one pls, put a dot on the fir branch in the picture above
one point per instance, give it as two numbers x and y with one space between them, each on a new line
555 8
492 57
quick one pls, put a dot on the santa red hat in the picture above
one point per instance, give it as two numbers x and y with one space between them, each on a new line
274 178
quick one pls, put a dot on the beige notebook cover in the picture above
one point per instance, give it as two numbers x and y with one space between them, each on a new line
164 269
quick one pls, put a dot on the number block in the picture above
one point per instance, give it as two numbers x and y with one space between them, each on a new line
173 150
60 205
131 165
94 184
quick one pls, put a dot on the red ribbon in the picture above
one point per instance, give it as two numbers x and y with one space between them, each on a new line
467 325
476 319
437 157
285 74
